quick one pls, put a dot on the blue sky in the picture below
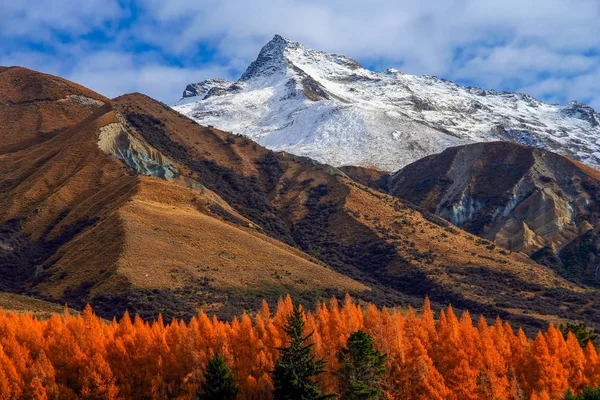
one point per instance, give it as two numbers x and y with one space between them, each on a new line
547 48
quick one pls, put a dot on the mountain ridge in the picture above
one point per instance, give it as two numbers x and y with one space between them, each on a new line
39 108
135 206
328 107
89 215
522 198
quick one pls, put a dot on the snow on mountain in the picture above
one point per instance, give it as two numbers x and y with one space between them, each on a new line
328 107
200 90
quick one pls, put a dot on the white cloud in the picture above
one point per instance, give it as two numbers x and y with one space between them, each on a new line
114 73
494 66
584 88
44 18
509 42
550 47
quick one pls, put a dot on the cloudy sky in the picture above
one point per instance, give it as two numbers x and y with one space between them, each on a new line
547 48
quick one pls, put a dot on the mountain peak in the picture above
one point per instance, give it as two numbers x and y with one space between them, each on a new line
270 59
281 39
21 85
328 107
35 106
280 43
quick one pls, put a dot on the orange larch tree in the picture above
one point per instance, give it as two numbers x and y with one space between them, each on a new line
83 356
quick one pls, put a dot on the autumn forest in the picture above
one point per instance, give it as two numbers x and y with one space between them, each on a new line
426 355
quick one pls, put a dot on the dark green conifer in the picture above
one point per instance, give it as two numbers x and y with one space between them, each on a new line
362 368
219 383
587 394
297 367
581 332
570 396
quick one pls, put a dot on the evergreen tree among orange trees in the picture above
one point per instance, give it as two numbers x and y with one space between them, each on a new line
587 394
218 383
362 368
443 357
581 332
297 367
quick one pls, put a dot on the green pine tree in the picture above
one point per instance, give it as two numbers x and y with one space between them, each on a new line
581 332
362 368
219 383
587 394
295 371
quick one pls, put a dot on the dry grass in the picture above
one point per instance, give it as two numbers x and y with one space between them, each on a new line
169 245
38 106
462 263
23 304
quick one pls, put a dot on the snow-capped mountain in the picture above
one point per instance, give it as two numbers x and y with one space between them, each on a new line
328 107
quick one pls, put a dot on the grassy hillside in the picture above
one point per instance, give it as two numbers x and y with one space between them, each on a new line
137 207
23 304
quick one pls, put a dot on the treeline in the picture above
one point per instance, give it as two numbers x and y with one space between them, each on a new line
381 352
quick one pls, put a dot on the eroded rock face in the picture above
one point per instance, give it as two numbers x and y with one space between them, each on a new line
114 139
543 218
520 197
83 100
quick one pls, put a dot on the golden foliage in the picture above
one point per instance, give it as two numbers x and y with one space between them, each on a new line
85 357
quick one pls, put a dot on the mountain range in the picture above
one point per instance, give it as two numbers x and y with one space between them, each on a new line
330 108
127 204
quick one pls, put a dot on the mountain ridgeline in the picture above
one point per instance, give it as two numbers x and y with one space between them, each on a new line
330 108
128 204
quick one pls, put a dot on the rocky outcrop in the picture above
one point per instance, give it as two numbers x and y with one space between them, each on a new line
114 139
522 198
201 89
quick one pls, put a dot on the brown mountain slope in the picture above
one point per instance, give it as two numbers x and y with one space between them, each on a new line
138 207
372 237
34 106
370 177
522 198
80 225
